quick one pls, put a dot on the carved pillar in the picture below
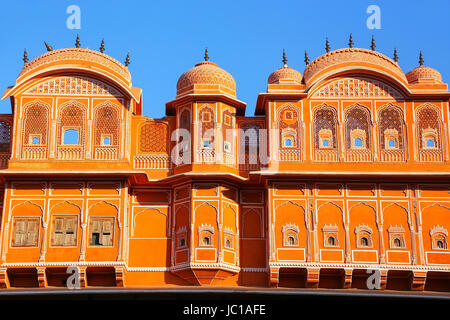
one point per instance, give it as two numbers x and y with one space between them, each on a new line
4 280
274 277
88 139
82 277
381 244
383 279
120 276
348 274
52 141
42 277
44 243
83 242
347 244
418 280
312 277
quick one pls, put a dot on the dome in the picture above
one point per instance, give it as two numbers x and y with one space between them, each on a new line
424 74
208 74
76 58
285 75
348 58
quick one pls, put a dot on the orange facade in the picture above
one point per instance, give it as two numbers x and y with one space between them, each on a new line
343 169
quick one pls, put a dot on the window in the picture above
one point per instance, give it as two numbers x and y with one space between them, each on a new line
71 137
206 144
64 231
391 143
396 237
101 231
35 139
438 238
106 139
364 242
358 143
290 235
430 143
288 142
182 243
227 119
363 236
330 235
325 143
205 235
206 116
26 232
227 146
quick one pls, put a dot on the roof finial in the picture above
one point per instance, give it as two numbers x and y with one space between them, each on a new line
49 47
102 46
77 42
306 58
373 46
327 45
421 58
395 55
284 59
25 56
127 60
206 54
350 41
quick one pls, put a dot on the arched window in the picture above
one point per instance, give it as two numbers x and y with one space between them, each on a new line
331 241
288 124
205 234
290 235
5 136
206 241
438 237
397 243
364 242
391 131
35 123
363 236
358 126
325 127
71 136
106 125
429 133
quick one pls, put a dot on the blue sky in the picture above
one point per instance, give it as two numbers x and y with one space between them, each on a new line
246 38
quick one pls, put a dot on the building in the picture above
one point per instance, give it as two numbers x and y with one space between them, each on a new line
343 169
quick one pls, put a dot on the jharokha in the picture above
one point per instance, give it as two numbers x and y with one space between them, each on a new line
344 169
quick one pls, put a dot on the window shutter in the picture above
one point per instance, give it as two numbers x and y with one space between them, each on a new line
58 235
70 225
107 232
19 233
32 232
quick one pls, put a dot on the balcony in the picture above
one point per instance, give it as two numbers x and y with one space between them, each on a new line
358 155
289 155
154 161
392 155
70 152
34 153
326 156
430 155
106 153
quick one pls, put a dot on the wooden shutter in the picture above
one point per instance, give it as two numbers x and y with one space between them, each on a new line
58 231
95 228
32 232
107 232
70 231
19 233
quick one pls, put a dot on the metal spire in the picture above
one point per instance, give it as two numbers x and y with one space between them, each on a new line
49 47
421 58
327 46
395 55
25 56
206 54
306 58
102 46
127 60
284 59
373 46
77 42
350 41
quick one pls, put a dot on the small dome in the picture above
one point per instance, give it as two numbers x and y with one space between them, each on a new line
285 75
424 74
206 73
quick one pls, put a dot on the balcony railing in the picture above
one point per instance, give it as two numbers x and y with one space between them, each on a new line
392 155
206 155
34 153
289 155
70 153
430 155
152 162
106 153
363 155
326 155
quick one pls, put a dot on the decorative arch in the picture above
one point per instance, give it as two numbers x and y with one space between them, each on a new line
288 122
36 121
358 133
71 116
429 133
107 124
104 202
65 202
392 133
150 229
25 202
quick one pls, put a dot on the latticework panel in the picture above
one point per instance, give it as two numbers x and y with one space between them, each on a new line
36 120
249 141
325 118
5 136
107 122
72 115
288 123
357 118
391 118
153 137
206 119
428 117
